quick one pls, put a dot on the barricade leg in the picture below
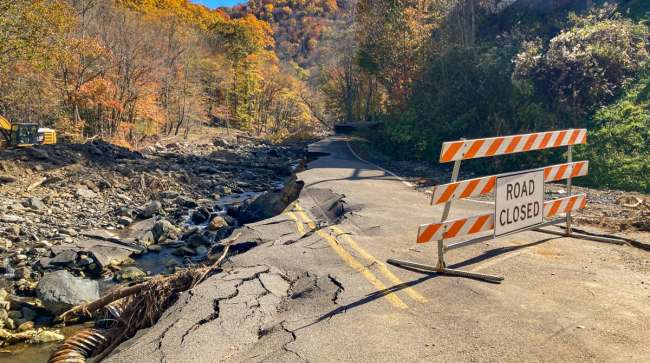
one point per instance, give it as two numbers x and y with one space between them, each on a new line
441 267
569 157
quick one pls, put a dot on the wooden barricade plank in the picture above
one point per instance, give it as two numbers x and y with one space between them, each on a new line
471 225
485 185
479 148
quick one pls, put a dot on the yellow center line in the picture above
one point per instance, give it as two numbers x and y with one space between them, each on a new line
351 261
299 226
381 265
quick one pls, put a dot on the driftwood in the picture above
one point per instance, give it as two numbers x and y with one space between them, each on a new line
133 308
36 184
202 273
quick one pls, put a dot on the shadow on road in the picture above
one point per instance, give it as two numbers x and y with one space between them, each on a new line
428 275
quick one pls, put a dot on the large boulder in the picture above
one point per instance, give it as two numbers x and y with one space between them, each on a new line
59 291
151 209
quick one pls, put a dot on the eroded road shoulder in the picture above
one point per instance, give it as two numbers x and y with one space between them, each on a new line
311 284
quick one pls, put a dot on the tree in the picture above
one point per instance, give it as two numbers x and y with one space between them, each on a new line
586 65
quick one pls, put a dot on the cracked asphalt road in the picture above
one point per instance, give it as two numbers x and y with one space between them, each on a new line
317 288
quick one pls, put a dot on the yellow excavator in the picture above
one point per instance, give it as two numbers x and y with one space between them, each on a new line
25 135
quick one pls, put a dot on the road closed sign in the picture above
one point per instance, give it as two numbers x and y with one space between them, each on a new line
519 202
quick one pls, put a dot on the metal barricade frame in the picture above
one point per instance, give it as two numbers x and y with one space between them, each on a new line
463 149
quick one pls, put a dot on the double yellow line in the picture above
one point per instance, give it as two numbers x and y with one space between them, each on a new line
353 262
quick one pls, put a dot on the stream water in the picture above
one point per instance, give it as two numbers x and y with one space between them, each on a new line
36 353
153 262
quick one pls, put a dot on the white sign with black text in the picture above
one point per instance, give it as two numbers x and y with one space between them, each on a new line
519 202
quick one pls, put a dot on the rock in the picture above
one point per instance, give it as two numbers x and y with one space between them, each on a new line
7 179
68 232
23 272
109 255
200 216
169 195
130 273
6 244
38 154
11 218
221 143
85 261
34 203
201 250
4 315
217 223
124 221
47 336
183 251
15 314
24 335
5 335
59 291
198 239
28 325
186 202
104 184
28 314
146 239
85 193
126 212
10 324
163 230
19 258
150 209
65 258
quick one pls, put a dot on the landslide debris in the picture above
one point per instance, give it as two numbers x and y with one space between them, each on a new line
98 212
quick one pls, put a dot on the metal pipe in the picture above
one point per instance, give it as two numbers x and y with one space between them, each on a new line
445 215
586 237
446 271
569 158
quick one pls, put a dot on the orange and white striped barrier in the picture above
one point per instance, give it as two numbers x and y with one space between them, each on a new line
479 148
485 185
519 196
468 226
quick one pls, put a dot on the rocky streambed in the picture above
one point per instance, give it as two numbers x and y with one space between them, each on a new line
78 219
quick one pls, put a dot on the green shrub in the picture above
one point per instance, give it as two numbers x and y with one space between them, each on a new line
619 143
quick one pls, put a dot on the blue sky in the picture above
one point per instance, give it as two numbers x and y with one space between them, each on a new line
217 3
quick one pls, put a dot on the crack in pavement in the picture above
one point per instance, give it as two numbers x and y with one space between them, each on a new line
162 338
339 289
217 302
293 339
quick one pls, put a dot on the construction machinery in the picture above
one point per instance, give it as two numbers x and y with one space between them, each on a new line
25 134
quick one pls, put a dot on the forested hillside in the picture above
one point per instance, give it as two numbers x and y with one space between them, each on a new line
433 70
442 70
127 70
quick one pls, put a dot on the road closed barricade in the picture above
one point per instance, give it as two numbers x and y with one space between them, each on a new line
519 203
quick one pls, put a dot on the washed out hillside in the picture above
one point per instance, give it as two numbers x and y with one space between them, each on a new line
324 180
